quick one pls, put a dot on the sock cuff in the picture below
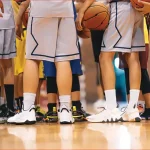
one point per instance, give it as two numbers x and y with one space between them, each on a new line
65 98
31 94
112 90
134 90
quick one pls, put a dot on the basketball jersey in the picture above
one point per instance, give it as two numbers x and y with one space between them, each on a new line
51 8
7 21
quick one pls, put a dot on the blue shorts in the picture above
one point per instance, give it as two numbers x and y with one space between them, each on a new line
50 69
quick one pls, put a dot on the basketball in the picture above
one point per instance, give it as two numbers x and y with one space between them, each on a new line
136 4
25 18
96 17
85 33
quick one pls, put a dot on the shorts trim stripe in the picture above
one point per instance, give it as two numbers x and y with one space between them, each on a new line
36 43
67 55
8 53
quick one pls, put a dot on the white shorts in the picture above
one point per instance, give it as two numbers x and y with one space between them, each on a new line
52 39
125 31
7 43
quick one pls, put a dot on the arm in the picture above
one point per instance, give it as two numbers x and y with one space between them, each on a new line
146 9
22 8
81 12
2 8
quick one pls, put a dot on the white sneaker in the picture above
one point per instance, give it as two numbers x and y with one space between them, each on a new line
65 115
131 115
24 117
99 105
12 120
106 115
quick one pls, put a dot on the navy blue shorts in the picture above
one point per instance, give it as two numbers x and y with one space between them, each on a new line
50 69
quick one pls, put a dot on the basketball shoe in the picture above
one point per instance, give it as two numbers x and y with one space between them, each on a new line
51 116
99 105
3 114
39 113
106 115
79 114
131 115
65 115
24 117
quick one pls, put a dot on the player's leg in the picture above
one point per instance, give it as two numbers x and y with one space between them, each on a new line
132 59
117 38
96 38
52 92
20 90
145 83
64 53
16 93
8 51
100 103
31 72
77 110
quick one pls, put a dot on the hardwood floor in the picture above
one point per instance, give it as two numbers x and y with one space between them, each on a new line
77 136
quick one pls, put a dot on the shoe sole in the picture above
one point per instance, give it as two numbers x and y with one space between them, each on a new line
65 122
27 122
110 121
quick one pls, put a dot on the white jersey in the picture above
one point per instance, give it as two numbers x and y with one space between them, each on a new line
51 8
7 21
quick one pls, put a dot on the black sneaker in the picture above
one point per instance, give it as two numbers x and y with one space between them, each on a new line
3 114
79 114
51 116
39 114
146 114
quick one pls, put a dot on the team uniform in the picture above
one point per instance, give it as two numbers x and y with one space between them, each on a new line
51 36
124 35
145 80
7 32
53 20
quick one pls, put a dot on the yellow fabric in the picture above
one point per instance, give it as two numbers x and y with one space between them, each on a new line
41 70
146 32
19 61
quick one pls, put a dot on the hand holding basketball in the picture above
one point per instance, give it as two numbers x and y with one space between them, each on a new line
79 21
145 9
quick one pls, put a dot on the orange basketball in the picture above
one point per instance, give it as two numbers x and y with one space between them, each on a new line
96 17
25 18
136 4
85 33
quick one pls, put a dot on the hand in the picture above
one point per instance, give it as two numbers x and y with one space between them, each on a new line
79 21
1 16
144 10
19 32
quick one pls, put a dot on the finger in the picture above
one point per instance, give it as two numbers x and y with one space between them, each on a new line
1 15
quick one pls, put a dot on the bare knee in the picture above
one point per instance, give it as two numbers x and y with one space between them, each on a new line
106 58
132 59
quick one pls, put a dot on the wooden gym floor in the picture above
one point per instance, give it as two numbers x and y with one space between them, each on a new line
77 136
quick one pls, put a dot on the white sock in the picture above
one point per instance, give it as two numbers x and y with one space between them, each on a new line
65 100
134 97
29 99
111 101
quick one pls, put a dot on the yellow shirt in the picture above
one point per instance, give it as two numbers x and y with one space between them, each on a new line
146 32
